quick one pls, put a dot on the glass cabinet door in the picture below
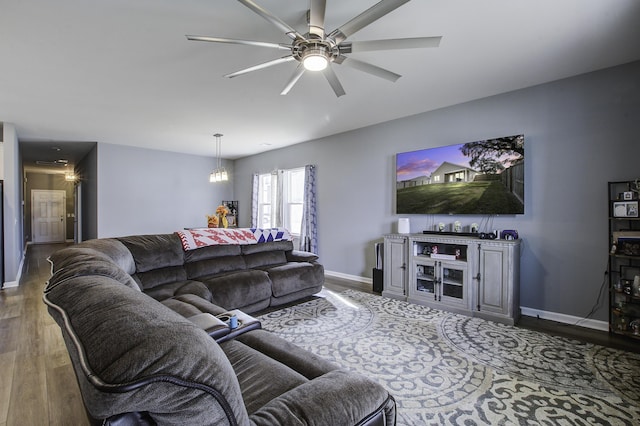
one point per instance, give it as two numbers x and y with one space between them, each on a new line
453 283
426 278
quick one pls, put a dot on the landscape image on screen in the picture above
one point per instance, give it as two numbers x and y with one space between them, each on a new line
484 177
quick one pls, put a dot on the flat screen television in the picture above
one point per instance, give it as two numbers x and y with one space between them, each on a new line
484 177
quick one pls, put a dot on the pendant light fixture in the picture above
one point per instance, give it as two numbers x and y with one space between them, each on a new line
219 174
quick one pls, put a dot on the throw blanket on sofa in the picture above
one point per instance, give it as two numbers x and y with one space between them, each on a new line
196 238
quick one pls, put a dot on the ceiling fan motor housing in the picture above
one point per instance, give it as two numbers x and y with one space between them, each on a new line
305 50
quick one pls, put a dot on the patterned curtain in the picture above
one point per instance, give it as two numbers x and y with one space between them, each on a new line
254 200
309 231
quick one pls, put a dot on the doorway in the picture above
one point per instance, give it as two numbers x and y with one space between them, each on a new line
48 212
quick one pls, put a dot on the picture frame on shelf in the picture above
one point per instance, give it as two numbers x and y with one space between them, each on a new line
628 246
625 209
232 216
629 272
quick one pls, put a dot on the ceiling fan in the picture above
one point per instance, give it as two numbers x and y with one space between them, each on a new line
317 51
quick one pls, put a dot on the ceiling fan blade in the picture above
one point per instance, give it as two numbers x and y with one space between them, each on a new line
316 17
261 66
294 79
332 78
369 68
390 44
236 41
370 15
283 26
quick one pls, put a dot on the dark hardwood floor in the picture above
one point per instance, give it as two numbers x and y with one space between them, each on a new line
581 334
37 383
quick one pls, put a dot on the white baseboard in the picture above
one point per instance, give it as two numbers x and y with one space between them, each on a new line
364 280
565 319
16 283
9 284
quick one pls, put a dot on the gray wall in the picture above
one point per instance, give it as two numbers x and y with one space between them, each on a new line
580 133
13 242
143 191
87 171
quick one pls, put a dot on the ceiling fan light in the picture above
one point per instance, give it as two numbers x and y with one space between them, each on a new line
315 60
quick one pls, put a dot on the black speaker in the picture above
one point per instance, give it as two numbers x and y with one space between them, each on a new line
487 236
377 280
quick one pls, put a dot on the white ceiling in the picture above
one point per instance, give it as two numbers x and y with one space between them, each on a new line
122 71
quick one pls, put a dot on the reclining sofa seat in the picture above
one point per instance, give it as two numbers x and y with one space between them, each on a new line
249 277
138 362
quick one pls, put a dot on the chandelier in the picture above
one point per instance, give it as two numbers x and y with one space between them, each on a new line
219 174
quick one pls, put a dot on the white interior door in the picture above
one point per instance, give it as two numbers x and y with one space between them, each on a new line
48 210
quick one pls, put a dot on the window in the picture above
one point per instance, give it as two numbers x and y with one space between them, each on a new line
284 210
293 199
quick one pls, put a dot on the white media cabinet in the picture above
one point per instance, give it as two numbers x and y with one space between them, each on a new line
466 275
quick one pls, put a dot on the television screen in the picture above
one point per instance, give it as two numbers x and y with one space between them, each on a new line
483 178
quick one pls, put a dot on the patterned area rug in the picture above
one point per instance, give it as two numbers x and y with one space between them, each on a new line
445 368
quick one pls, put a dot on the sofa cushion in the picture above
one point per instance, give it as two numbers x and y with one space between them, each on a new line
113 249
294 276
265 259
302 361
301 256
134 354
73 255
178 288
154 251
336 398
214 266
236 290
189 305
268 246
261 377
160 276
210 252
81 261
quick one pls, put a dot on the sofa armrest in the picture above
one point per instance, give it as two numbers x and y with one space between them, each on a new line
336 398
218 326
212 325
301 256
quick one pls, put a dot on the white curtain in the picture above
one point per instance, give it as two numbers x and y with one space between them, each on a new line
254 200
277 184
309 231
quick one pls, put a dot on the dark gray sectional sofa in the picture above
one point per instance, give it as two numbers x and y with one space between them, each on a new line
249 277
131 313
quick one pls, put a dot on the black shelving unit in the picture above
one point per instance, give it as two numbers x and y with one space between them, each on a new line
624 259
